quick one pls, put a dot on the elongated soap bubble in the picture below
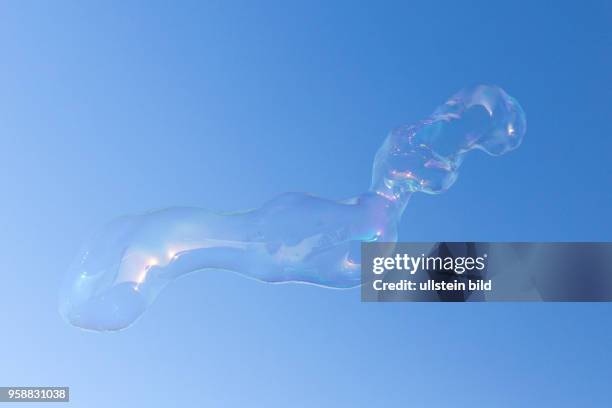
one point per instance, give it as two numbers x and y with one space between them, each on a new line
295 237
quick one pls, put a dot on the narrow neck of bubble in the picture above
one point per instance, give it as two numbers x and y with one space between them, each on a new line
397 198
433 151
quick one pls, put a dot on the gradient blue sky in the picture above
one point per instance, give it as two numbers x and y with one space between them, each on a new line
109 108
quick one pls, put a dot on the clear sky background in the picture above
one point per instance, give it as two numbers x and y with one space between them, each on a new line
108 108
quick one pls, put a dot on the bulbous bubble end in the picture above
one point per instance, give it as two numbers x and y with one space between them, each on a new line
112 310
425 157
91 296
499 133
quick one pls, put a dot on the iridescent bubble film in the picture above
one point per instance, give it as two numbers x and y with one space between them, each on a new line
295 237
426 156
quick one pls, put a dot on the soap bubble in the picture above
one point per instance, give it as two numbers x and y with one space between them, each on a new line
295 237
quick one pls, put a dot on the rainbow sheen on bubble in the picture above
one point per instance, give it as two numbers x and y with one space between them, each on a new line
294 237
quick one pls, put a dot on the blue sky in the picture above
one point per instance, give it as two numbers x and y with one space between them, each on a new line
119 107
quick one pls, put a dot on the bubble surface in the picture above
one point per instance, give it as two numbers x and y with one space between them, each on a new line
295 237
